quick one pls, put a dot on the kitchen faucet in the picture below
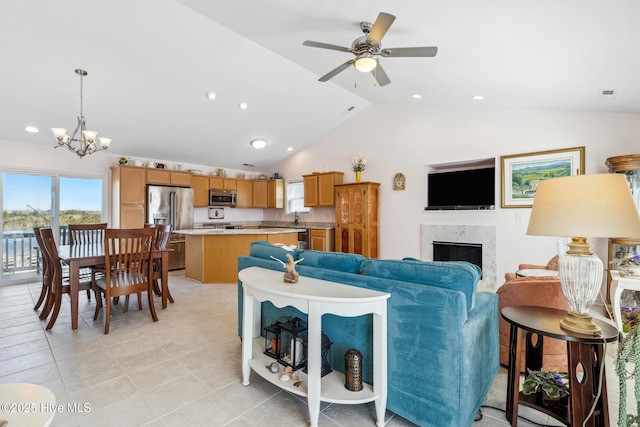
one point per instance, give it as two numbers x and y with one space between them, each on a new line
296 219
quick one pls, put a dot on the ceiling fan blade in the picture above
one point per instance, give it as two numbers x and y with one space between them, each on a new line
380 76
380 27
336 70
326 46
398 52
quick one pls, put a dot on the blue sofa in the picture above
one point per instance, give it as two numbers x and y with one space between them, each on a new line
442 343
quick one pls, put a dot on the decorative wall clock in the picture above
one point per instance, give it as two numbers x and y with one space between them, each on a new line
399 182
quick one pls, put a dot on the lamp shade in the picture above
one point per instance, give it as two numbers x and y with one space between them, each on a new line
599 205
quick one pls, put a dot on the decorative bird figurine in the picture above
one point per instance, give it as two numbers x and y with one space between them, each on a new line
290 275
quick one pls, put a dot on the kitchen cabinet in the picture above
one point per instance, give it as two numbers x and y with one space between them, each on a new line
319 188
275 193
357 229
244 189
128 186
220 183
166 177
200 185
321 239
259 194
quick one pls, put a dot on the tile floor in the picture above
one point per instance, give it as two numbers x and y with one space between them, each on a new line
182 370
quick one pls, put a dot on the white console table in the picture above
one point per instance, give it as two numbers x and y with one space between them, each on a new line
314 297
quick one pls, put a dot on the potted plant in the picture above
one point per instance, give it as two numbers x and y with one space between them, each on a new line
555 391
358 164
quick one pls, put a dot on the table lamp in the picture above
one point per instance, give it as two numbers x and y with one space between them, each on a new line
598 205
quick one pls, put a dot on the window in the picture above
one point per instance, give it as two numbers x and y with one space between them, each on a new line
31 200
295 197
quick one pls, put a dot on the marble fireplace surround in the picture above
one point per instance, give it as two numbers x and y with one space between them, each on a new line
480 234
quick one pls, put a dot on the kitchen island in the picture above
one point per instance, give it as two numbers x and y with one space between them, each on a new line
212 254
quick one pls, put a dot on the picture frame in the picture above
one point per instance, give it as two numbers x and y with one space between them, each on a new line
521 173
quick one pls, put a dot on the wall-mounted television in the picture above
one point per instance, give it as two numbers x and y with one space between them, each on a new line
472 189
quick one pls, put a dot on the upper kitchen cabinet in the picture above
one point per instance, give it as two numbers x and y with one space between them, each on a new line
259 194
275 193
318 188
165 177
244 191
200 185
220 183
128 192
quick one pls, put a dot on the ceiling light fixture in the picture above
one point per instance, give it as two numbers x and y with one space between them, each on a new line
243 105
32 129
86 141
289 148
259 143
211 94
365 63
478 97
416 96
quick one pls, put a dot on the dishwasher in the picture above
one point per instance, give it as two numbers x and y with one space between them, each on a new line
303 239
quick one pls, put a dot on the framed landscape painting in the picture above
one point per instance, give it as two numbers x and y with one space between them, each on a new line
521 173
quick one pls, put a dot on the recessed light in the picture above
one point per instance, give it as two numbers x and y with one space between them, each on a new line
478 97
289 148
32 129
243 105
416 96
259 143
211 94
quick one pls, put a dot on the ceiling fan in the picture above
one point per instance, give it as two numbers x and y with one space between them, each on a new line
367 48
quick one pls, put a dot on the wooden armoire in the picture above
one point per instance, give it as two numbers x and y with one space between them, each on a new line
357 216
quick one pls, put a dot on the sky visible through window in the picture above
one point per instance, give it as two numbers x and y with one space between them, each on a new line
35 191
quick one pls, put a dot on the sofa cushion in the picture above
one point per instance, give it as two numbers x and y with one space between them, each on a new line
455 275
338 261
265 250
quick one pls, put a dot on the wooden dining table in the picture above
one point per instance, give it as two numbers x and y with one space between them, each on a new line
86 254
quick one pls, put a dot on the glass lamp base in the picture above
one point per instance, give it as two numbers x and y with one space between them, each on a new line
580 323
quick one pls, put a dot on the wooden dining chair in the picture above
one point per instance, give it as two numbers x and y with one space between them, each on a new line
46 279
87 234
58 286
163 233
128 269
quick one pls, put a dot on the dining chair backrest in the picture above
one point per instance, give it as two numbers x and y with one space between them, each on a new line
163 233
128 259
46 275
86 233
50 252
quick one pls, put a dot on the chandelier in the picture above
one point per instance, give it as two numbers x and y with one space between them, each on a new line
85 143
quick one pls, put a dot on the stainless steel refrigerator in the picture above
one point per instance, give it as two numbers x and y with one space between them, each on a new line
171 205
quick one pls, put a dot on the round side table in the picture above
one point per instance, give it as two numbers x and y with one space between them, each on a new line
27 405
585 351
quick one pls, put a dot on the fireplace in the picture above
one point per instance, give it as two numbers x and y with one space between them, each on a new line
458 251
483 235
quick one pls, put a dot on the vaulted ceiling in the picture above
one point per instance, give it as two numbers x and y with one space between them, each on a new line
151 62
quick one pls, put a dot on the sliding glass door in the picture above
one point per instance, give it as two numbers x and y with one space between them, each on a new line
31 200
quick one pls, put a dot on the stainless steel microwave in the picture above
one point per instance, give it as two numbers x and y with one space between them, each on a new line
222 198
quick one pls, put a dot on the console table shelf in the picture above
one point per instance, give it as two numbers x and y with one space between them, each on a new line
314 297
333 389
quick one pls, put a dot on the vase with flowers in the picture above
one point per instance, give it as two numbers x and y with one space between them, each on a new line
553 385
357 165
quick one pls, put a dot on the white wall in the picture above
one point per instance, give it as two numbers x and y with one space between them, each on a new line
407 138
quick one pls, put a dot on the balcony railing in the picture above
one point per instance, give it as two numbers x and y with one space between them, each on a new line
20 253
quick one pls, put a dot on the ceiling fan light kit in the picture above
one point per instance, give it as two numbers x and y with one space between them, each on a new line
366 49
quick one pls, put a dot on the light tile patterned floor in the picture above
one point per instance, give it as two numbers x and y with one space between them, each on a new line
182 370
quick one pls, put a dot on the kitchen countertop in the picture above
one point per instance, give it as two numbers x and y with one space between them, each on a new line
279 224
226 232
